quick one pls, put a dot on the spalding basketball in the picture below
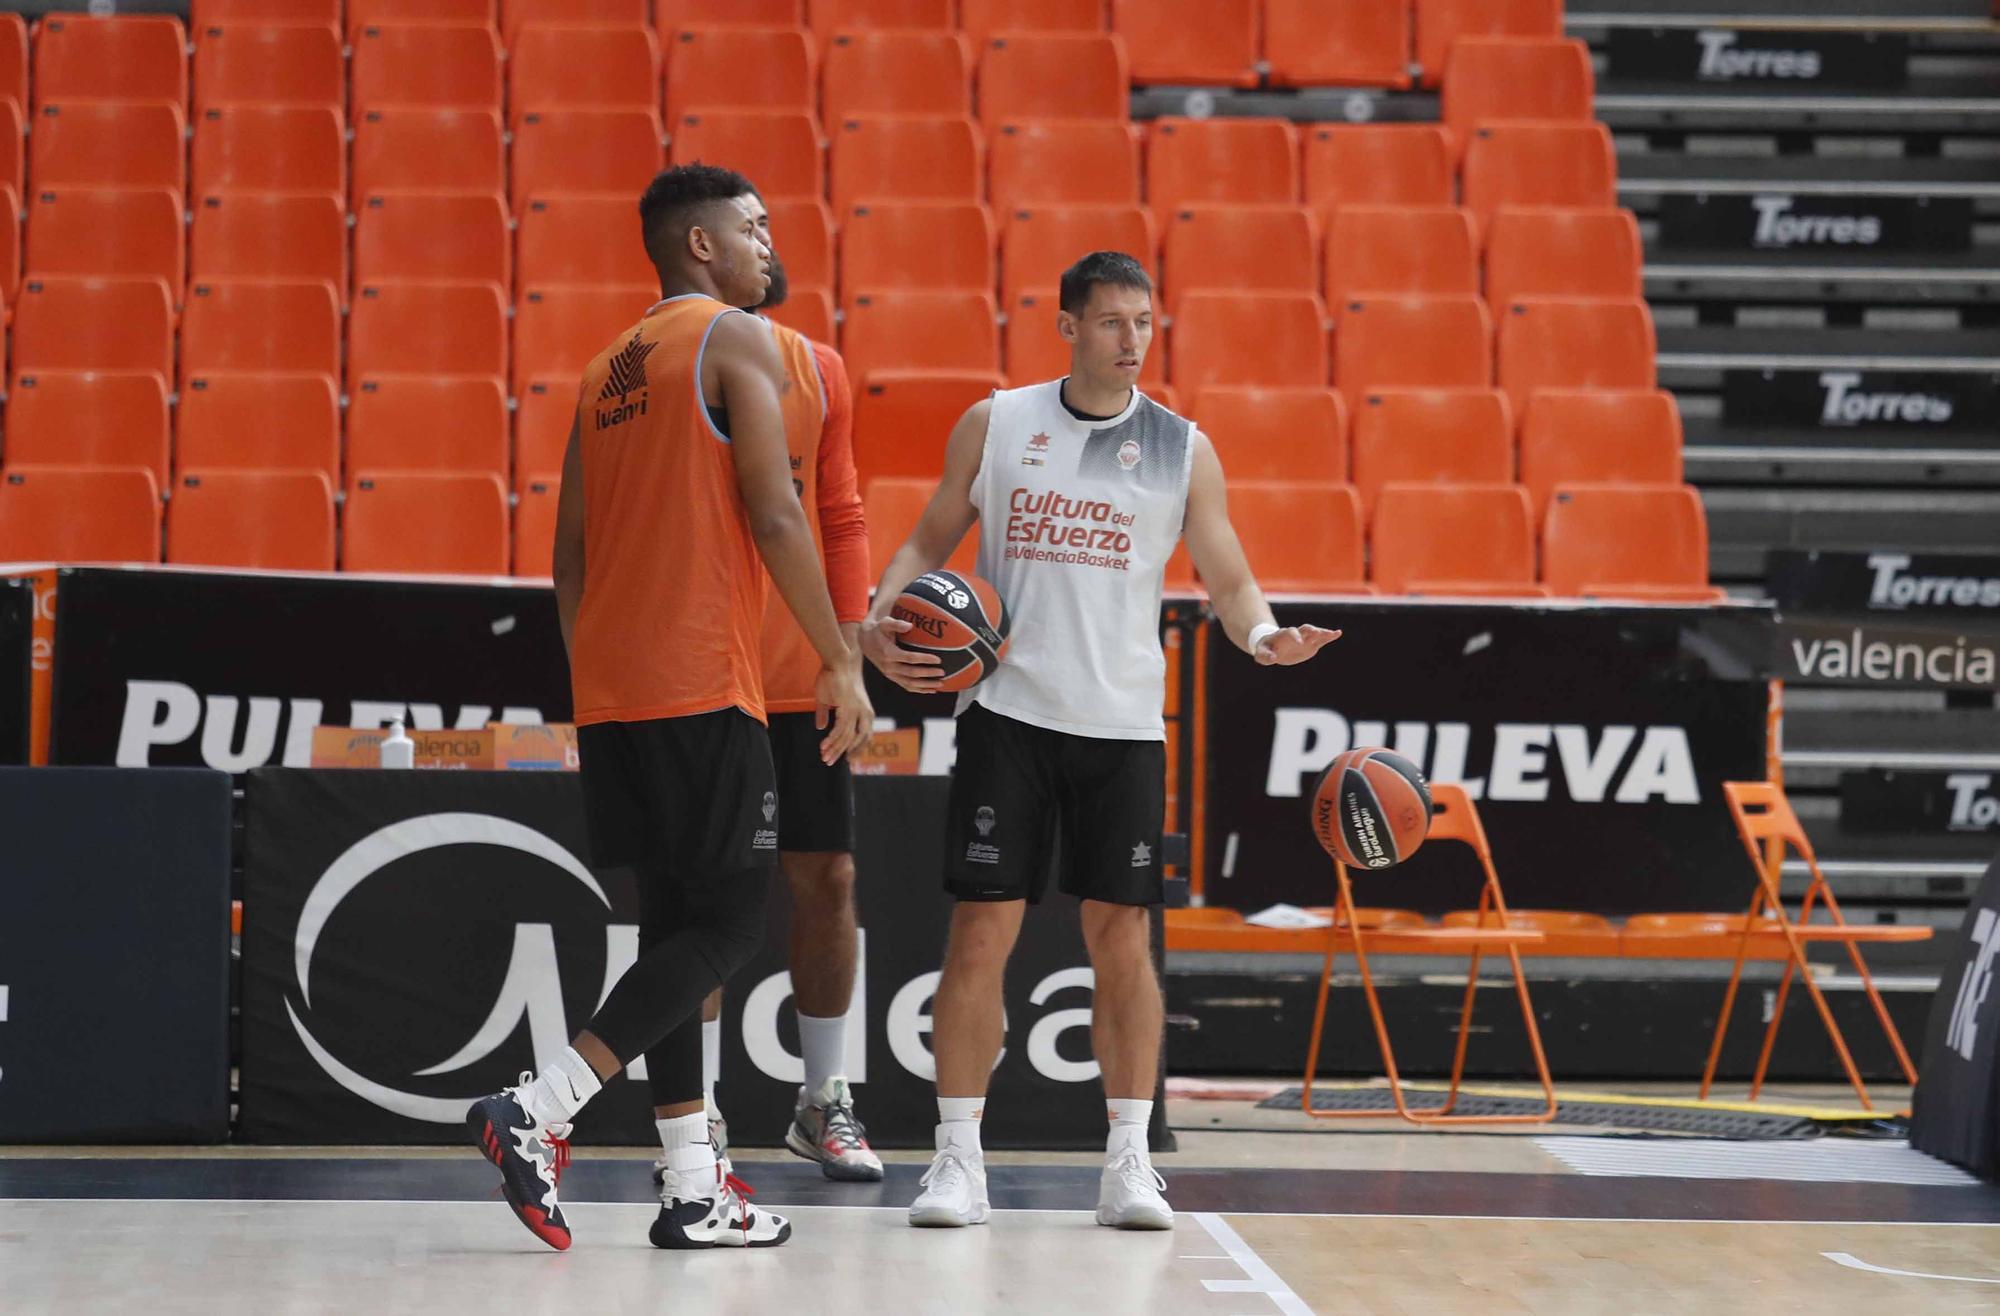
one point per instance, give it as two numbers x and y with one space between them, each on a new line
1371 809
960 619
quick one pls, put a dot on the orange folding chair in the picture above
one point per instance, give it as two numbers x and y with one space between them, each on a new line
1453 818
1764 815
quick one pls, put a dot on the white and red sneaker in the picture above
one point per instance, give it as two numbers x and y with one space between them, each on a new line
531 1156
824 1129
701 1209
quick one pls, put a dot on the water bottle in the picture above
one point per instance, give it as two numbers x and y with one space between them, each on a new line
398 750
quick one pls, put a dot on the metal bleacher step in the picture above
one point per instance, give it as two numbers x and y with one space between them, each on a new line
1718 454
1744 523
1966 104
1952 277
1693 356
1972 14
1646 175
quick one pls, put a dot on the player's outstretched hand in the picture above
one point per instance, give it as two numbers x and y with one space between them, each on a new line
842 711
1293 645
913 669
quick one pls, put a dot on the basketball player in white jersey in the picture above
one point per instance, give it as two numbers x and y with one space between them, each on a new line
1081 486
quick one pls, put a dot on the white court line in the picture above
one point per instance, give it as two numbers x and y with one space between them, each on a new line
1262 1279
1853 1262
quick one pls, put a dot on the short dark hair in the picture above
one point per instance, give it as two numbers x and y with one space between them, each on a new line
1113 268
677 200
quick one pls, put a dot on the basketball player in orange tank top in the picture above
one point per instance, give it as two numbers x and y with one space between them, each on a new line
676 483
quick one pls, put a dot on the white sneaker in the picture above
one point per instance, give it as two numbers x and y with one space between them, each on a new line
954 1190
718 1133
701 1209
1129 1193
824 1129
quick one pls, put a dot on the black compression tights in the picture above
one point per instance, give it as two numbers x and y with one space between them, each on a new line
693 935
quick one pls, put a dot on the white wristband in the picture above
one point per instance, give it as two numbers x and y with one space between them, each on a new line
1261 632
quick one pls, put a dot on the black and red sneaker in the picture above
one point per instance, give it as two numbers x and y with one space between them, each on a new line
531 1156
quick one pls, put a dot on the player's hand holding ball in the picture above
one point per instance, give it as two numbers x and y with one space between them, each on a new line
1292 645
953 632
915 670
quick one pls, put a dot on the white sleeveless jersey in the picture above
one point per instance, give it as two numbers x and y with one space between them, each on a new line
1077 520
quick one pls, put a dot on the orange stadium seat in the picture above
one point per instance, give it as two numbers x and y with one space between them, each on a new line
13 141
1309 43
267 520
585 151
802 228
237 421
426 522
1299 536
261 325
580 238
980 19
896 73
89 230
1210 42
1431 436
1053 75
1539 164
673 15
477 12
108 144
535 524
594 67
1036 352
557 330
424 235
426 328
892 509
1516 78
88 418
1372 250
780 152
1561 342
1624 541
1411 342
270 235
1226 161
1371 164
809 311
1593 436
901 419
518 14
269 148
1040 242
424 149
266 11
834 16
892 158
920 331
744 68
420 64
1275 433
1222 248
128 58
79 514
393 424
14 60
66 322
1442 22
10 247
1063 161
1442 539
541 427
916 245
1562 253
238 62
1275 339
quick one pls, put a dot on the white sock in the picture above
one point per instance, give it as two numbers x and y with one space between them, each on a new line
823 1045
1130 1118
958 1122
559 1092
685 1140
711 1060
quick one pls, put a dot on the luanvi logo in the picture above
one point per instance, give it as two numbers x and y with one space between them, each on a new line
1895 586
1724 59
627 375
1962 1035
1778 227
1847 403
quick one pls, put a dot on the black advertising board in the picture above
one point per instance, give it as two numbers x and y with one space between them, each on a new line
1961 586
1956 1110
233 672
415 940
1945 407
1595 743
1724 59
17 638
1922 802
1786 223
1825 651
114 955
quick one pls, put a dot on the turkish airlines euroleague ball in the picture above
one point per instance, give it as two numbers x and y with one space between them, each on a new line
1371 809
958 617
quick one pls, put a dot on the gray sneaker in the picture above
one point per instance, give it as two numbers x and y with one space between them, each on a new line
824 1129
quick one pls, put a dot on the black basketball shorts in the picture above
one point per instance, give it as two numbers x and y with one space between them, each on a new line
680 793
816 814
1018 790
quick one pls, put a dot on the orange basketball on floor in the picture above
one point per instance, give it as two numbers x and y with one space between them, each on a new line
958 617
1371 809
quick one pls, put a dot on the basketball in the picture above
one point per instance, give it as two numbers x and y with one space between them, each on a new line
959 618
1371 809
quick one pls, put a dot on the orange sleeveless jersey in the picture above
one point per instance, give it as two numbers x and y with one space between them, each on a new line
671 619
